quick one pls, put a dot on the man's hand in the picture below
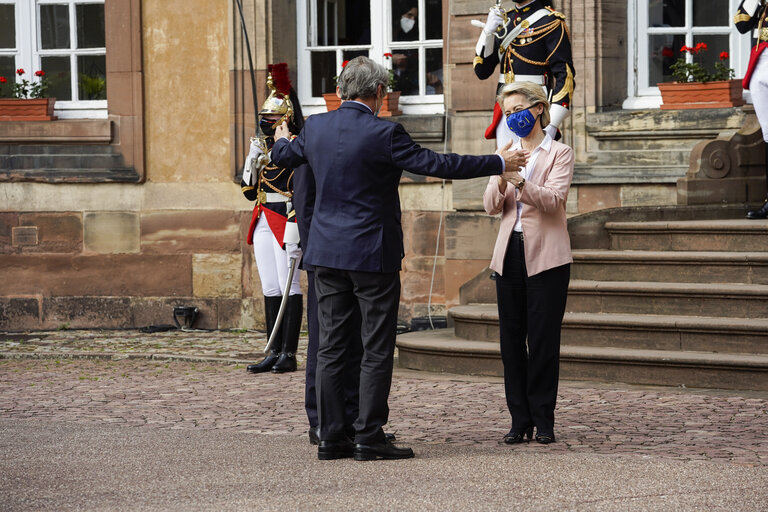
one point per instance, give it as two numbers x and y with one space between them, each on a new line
282 131
513 160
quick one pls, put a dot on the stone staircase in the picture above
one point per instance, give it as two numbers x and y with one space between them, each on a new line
667 302
63 162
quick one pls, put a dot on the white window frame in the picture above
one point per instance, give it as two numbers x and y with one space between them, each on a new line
29 52
641 94
380 44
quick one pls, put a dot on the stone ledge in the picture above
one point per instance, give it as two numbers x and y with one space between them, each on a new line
94 131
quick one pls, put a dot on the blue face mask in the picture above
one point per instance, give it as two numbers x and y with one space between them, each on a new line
521 123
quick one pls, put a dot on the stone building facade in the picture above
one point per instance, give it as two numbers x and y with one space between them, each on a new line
113 220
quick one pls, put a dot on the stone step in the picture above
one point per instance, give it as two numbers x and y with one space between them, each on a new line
660 332
442 351
45 175
704 235
671 266
56 149
659 298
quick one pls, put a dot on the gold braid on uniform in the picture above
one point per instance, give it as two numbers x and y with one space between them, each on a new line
267 181
741 17
567 90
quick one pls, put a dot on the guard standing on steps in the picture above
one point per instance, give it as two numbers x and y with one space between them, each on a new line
273 231
751 16
531 43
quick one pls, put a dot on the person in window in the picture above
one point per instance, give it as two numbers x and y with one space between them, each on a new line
751 15
531 260
405 63
273 231
537 49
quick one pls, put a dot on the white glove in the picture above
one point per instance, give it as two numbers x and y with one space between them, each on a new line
493 22
551 130
293 251
252 162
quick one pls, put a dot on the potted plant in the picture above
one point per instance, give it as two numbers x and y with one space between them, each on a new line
696 87
392 99
26 100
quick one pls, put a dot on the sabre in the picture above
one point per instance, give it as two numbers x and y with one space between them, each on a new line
293 262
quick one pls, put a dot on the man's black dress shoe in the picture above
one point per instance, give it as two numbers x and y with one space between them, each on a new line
513 437
330 450
314 435
545 438
384 450
760 213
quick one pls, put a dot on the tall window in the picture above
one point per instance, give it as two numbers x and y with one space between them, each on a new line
334 31
66 40
662 27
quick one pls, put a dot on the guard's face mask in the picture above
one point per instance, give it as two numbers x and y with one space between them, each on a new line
267 127
521 123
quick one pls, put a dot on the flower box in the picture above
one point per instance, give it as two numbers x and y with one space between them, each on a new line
40 109
388 108
687 95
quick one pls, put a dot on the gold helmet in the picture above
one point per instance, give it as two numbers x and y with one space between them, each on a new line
278 102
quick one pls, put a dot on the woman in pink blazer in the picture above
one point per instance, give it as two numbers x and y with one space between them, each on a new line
532 260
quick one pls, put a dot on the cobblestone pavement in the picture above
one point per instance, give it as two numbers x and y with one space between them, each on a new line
144 393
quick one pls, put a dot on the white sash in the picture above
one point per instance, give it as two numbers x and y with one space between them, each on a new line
533 18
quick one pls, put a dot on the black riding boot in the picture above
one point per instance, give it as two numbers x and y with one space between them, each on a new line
762 212
271 308
291 328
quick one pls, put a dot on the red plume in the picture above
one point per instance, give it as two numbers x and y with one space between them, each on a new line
280 78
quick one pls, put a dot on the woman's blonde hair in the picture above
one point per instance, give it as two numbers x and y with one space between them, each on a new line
530 91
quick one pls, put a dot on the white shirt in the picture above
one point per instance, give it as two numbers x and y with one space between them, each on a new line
526 173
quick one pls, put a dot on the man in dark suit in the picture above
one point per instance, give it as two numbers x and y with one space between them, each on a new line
356 244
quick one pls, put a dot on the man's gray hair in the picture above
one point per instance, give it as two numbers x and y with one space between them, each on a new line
361 78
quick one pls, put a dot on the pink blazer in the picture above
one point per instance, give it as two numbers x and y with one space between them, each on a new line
545 228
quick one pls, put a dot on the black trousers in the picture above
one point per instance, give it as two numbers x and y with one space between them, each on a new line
351 378
339 293
530 308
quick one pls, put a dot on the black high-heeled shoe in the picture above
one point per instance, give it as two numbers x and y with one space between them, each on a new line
518 437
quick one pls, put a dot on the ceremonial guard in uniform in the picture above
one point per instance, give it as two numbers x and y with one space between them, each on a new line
532 43
751 16
273 231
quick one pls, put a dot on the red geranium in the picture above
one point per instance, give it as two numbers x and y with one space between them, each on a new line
723 55
3 80
40 73
20 71
389 55
344 64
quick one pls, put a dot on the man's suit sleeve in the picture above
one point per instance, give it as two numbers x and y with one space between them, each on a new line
287 153
409 156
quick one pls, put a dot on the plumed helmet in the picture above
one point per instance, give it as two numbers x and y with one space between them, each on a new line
278 102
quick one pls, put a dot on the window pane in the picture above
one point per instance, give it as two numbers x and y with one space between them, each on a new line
54 26
7 26
434 70
351 54
667 13
323 72
90 26
405 64
92 77
59 77
405 16
434 19
663 51
343 23
715 45
7 70
711 13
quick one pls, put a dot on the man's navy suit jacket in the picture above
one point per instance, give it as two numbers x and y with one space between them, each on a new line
357 160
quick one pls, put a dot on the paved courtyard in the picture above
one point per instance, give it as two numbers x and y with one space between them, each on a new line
82 412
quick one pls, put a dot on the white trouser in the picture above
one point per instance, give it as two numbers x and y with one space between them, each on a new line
272 262
758 86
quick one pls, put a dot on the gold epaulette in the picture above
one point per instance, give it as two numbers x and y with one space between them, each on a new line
555 13
741 17
477 61
246 189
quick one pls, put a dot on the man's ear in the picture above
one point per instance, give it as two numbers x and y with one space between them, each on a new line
338 94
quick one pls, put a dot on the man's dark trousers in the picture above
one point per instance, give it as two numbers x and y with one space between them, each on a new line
351 381
378 295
